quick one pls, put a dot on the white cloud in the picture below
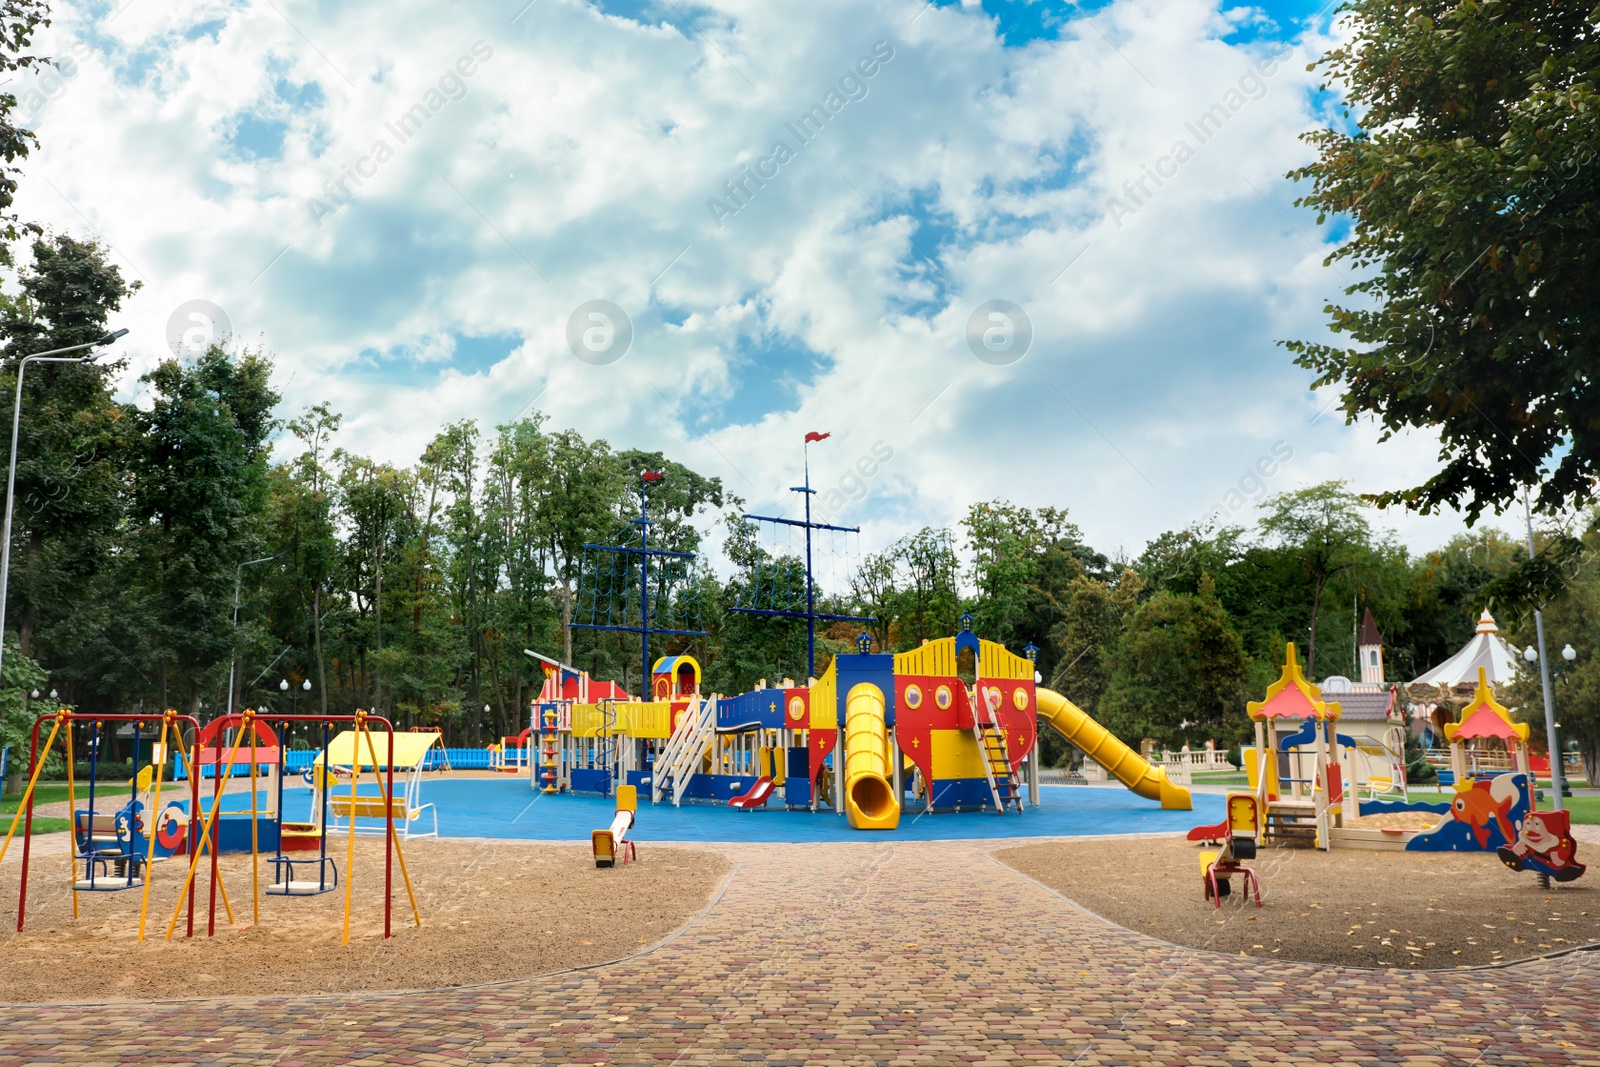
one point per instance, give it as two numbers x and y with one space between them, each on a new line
577 162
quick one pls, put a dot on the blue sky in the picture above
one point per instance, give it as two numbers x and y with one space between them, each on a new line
418 226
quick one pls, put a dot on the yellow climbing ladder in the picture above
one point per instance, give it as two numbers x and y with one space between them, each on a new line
997 767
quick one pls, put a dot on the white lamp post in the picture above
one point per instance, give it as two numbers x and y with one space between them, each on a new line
233 654
1552 729
54 355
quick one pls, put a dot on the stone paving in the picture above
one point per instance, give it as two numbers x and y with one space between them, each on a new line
878 953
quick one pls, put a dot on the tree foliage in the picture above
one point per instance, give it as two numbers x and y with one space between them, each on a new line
1471 183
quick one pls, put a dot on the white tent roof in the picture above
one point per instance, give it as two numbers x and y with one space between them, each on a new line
1487 649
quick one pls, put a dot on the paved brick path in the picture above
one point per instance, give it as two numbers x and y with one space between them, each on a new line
880 954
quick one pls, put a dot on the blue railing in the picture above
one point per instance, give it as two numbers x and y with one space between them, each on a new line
298 759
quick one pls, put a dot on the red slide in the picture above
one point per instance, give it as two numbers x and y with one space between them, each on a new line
757 797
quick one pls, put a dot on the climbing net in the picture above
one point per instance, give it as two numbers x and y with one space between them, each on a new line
774 576
611 595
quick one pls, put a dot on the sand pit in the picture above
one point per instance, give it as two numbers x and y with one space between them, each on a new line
491 910
1363 909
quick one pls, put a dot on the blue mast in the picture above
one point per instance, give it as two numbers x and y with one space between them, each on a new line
644 552
811 615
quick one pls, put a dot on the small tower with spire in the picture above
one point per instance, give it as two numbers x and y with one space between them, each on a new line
1370 646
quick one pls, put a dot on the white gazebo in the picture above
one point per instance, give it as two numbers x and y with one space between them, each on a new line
1487 649
1459 674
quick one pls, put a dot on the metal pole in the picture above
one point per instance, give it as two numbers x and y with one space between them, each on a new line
811 609
1552 738
11 476
233 654
644 592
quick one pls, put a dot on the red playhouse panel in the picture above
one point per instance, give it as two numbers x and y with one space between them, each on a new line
1011 703
819 743
930 702
797 708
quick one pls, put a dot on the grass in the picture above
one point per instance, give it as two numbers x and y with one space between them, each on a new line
50 793
1585 810
1218 778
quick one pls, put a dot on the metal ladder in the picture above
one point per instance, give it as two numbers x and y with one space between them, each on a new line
996 765
680 760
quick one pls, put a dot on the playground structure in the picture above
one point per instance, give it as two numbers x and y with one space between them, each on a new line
119 851
116 850
1297 771
950 726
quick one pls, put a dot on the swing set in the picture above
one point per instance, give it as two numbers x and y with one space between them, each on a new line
287 878
107 845
118 852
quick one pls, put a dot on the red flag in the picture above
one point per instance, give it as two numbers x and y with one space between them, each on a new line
651 476
814 436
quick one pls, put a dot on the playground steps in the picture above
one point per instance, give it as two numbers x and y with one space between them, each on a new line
997 767
1291 821
680 761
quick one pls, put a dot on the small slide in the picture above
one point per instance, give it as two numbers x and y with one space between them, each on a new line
870 803
755 797
1100 745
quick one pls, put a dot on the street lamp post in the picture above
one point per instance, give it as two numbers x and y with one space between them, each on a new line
54 355
1552 739
1552 728
233 654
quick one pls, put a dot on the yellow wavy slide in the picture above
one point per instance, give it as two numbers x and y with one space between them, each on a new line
869 802
1100 745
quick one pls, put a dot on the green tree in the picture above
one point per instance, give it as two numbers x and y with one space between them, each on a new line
18 21
1007 544
580 502
70 459
1470 189
1178 673
1571 618
1321 527
199 484
18 675
303 533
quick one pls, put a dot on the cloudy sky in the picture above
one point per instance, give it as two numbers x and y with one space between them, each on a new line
1039 251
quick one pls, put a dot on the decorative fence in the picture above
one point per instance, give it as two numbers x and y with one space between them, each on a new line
298 759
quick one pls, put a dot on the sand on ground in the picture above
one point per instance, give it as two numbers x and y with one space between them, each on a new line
491 910
1424 910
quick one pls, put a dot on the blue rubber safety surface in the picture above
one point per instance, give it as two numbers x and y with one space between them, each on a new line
511 809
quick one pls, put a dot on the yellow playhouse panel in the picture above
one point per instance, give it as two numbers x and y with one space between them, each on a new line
956 755
651 719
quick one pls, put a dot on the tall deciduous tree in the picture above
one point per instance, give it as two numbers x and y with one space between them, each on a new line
199 487
18 21
1323 529
1472 188
70 451
1179 673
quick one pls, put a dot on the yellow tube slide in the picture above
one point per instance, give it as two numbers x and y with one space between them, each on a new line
869 802
1098 743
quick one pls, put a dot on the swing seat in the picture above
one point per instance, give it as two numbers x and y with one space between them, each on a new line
288 881
110 872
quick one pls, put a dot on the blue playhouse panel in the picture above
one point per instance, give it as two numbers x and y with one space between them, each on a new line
641 779
233 833
1488 808
588 780
874 667
965 793
797 792
797 777
763 708
719 787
